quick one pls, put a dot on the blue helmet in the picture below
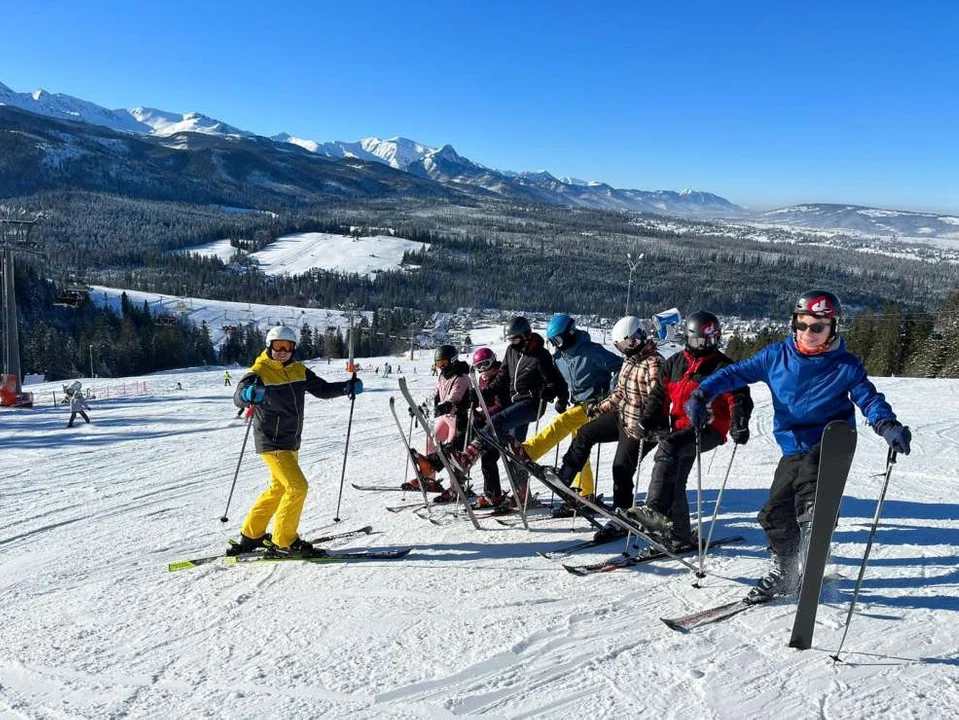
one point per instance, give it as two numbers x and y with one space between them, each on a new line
561 330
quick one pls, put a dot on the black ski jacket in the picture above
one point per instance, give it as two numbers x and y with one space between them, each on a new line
530 374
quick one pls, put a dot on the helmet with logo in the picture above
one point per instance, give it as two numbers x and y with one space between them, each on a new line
483 358
820 304
628 334
702 331
561 331
444 355
281 332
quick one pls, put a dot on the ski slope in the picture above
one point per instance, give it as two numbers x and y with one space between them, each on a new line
472 623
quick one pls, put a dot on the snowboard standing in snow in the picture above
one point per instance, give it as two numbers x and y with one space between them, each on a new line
838 448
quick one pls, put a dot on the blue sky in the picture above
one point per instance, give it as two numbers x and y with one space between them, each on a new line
767 104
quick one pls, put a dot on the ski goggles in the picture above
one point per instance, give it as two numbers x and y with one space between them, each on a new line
282 346
697 342
812 327
484 366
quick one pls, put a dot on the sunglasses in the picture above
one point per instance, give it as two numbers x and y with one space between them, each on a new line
516 340
282 346
441 363
814 327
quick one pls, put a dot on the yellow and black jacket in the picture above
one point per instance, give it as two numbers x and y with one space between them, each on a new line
278 420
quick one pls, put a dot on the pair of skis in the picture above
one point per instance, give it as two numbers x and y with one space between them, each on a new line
262 555
837 450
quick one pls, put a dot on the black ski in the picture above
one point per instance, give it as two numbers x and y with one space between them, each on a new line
333 557
546 476
646 555
838 448
574 547
382 488
710 615
454 478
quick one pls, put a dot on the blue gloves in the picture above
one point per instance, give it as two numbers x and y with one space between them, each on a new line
253 394
696 409
897 435
353 387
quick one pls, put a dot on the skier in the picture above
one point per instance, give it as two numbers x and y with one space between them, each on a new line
276 386
667 509
618 418
226 378
487 368
78 406
531 378
814 380
451 404
590 371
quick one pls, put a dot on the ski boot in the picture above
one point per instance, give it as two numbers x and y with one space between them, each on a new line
781 580
247 545
299 548
650 519
432 485
609 532
490 502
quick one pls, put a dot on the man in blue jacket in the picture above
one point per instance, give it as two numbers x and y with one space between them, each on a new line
590 372
813 380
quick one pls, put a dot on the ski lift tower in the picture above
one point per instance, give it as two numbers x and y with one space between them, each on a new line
14 238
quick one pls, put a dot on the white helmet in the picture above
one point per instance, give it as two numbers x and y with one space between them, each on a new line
628 334
281 332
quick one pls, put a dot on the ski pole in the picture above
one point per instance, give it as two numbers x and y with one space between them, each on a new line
346 448
409 442
719 500
699 504
249 424
639 465
890 461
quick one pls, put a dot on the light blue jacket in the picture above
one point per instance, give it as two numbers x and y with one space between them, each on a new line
808 391
588 368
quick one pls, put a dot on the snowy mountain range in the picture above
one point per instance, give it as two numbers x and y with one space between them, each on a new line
443 165
429 171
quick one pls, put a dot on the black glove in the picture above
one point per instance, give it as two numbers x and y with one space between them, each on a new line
561 405
740 435
897 435
444 408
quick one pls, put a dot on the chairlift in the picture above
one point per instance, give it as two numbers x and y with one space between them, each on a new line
165 320
229 330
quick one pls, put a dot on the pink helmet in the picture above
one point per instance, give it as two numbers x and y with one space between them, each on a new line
483 358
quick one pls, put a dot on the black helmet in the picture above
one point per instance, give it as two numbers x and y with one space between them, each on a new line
702 331
445 354
517 327
820 304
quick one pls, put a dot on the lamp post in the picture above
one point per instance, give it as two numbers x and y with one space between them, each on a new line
632 266
91 361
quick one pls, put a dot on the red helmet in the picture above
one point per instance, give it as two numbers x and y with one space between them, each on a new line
820 304
483 358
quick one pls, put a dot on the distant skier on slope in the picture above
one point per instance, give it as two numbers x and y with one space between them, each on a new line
666 503
589 370
78 406
276 386
814 380
617 418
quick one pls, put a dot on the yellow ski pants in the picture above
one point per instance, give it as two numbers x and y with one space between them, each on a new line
553 434
282 500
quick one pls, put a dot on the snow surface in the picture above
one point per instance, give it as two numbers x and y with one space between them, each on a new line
300 253
472 623
222 314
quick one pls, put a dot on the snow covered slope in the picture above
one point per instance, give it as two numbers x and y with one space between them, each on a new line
472 623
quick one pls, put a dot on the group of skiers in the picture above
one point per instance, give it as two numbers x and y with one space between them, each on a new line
681 406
